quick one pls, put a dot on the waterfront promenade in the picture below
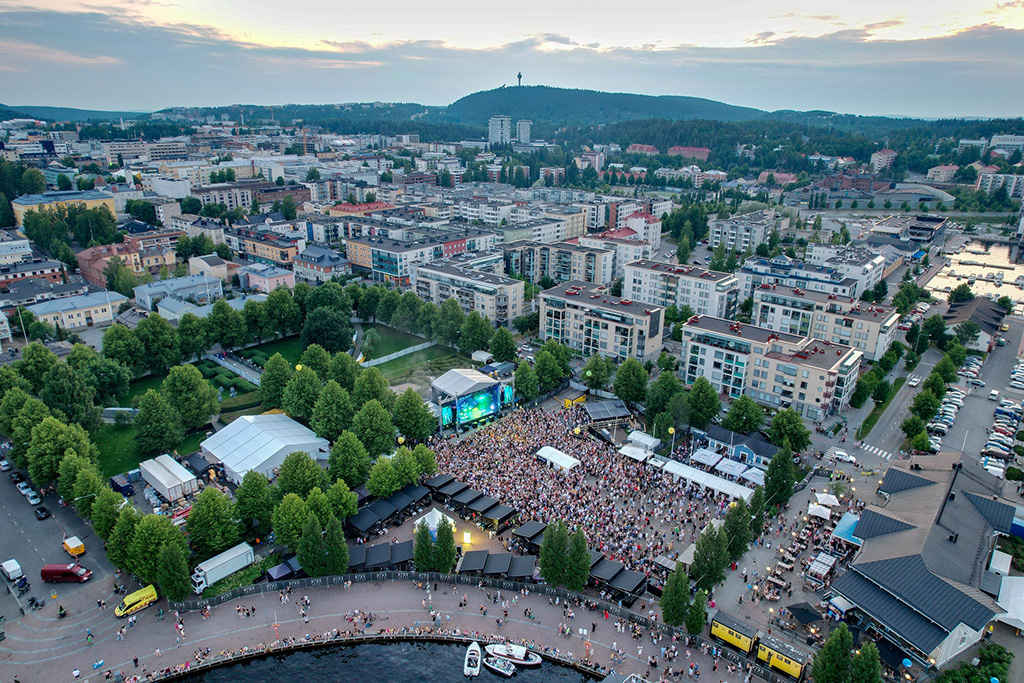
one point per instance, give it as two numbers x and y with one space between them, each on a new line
40 648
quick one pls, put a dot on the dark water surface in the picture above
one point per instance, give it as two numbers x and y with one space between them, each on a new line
392 662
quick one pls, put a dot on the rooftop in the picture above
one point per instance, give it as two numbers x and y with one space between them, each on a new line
60 196
590 295
73 303
688 271
731 328
466 273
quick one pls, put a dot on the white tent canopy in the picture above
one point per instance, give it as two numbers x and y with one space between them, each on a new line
706 457
754 475
432 519
261 442
819 511
827 499
556 458
731 467
634 452
1011 599
644 440
715 483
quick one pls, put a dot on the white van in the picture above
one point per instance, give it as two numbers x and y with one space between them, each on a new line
993 395
12 570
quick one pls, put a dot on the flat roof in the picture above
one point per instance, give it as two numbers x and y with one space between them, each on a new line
732 328
465 273
677 269
590 295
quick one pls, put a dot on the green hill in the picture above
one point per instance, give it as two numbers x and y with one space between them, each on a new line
12 113
72 114
543 104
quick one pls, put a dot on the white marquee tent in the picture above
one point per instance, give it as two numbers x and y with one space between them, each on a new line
261 442
819 511
556 458
432 519
717 484
634 452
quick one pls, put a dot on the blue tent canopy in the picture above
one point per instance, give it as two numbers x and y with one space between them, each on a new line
845 528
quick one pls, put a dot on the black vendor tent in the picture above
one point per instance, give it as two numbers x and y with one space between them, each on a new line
452 489
437 481
416 492
629 582
382 509
530 529
378 556
805 613
400 501
357 557
482 504
401 553
363 520
606 569
522 567
500 515
466 497
497 564
473 562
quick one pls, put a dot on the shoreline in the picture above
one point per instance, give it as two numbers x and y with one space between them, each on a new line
341 639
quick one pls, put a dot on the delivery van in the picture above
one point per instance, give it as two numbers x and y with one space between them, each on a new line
65 573
73 546
140 599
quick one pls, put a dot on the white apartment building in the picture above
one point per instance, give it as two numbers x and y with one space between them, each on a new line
786 272
586 318
626 250
882 159
487 211
167 149
499 130
992 182
865 265
646 226
870 328
232 196
562 262
175 188
498 298
1008 143
781 370
740 233
707 292
14 249
523 130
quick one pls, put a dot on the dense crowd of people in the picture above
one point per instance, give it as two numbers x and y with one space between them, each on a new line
629 512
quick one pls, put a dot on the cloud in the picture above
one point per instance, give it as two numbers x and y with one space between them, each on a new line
50 57
888 23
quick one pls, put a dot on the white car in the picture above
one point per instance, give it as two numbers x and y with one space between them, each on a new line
32 498
1018 385
24 487
914 381
843 456
5 466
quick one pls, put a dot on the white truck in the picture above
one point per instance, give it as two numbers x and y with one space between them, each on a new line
216 568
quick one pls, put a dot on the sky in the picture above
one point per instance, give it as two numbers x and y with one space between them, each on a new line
926 58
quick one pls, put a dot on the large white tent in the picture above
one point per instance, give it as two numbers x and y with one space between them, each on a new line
260 443
432 519
717 484
634 452
556 458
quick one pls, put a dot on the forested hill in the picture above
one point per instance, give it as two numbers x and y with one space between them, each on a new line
559 106
72 114
11 113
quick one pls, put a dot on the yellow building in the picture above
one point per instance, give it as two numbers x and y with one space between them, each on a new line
51 200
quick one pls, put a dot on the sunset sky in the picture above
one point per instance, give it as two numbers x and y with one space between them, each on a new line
933 59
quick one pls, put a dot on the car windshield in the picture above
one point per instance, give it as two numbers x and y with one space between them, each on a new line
80 571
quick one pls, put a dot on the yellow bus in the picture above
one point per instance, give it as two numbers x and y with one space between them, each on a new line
782 657
731 630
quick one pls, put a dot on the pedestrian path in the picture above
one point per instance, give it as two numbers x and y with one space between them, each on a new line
886 455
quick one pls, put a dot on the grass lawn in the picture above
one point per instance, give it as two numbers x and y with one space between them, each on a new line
138 387
289 347
228 418
396 367
390 339
117 449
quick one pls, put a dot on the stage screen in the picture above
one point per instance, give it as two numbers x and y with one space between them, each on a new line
507 395
479 405
447 415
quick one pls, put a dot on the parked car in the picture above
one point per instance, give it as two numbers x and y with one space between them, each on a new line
33 498
16 477
24 487
5 465
42 513
993 395
843 456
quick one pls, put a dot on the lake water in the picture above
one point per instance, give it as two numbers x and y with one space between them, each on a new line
394 662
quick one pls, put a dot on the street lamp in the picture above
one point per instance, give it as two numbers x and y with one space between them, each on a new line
672 431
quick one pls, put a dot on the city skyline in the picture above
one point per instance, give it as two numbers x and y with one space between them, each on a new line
870 59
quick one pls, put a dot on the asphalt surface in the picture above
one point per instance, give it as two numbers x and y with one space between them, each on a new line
34 543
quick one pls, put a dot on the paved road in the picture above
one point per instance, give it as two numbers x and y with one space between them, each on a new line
34 543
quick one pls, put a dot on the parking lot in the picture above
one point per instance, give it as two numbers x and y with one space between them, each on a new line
34 543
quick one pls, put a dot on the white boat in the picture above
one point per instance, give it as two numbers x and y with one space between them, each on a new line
471 667
517 654
500 666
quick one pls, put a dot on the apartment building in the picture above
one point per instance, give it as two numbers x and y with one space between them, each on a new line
596 214
138 259
486 211
786 272
624 245
777 369
265 277
13 249
942 174
882 159
499 130
646 150
992 182
1007 143
201 288
89 199
561 262
166 149
740 233
707 292
389 260
870 328
265 246
523 127
30 269
76 312
319 264
212 265
699 153
586 318
865 265
646 226
498 298
230 195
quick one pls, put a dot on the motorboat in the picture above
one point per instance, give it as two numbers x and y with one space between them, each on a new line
500 666
471 667
517 654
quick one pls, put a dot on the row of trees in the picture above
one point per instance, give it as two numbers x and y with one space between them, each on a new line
564 560
928 400
873 384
